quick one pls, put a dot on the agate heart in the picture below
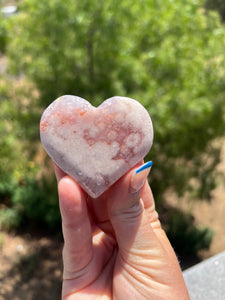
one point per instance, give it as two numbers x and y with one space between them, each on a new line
96 146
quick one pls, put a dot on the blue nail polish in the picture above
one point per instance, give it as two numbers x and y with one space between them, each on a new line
143 167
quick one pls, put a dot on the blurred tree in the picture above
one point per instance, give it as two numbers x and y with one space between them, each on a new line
3 31
218 5
169 55
24 196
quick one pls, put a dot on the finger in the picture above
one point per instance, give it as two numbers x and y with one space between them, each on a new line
59 173
149 205
128 215
77 231
143 256
99 209
153 217
134 219
99 213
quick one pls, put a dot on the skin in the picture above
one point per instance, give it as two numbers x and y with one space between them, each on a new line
114 246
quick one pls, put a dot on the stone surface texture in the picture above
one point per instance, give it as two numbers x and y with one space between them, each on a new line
96 146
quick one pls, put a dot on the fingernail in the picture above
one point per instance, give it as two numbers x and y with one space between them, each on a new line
145 166
139 177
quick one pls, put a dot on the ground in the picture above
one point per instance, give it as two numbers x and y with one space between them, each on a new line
30 267
210 213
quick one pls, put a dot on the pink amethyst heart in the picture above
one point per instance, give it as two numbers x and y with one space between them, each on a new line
96 146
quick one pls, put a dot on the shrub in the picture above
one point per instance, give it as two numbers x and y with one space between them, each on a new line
185 236
25 195
218 5
3 33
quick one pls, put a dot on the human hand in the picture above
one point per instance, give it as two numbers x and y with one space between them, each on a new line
114 246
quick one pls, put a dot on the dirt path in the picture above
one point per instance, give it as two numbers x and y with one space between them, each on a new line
210 214
30 268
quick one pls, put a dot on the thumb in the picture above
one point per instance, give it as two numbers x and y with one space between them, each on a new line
145 253
127 213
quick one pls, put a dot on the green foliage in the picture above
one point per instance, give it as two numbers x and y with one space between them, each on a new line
3 33
185 237
1 240
10 218
24 196
31 201
38 199
218 5
169 55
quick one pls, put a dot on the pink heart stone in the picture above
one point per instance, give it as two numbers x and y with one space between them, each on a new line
96 146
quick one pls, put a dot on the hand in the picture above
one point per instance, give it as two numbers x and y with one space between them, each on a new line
114 246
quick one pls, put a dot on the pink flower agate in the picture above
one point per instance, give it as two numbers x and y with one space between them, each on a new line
96 146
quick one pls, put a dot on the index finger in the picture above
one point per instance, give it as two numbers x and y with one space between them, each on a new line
59 173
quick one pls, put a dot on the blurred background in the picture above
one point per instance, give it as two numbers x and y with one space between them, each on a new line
167 54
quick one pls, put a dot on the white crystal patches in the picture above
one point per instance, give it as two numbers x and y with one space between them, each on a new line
96 146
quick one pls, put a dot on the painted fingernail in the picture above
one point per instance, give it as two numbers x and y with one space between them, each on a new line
145 166
139 177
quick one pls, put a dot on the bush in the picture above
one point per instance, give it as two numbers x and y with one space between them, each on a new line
185 236
38 200
3 33
32 201
26 196
218 5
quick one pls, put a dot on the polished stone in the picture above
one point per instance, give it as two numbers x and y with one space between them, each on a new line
96 146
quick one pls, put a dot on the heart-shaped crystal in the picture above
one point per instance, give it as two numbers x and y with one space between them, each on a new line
96 146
